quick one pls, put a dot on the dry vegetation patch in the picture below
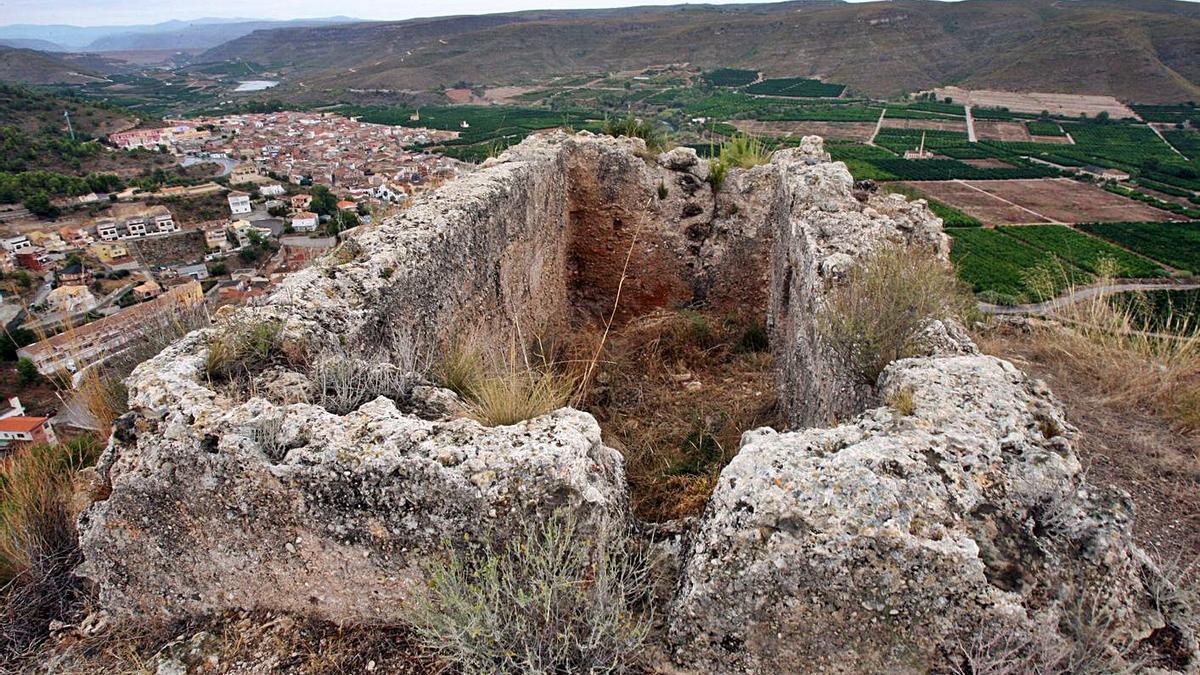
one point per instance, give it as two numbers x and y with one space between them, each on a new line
1136 400
237 642
673 391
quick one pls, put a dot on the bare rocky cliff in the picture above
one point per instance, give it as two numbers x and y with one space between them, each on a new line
861 539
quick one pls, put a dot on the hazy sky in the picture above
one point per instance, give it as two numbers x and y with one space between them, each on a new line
125 12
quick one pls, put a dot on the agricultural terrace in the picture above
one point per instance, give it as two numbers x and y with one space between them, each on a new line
1083 251
730 77
796 87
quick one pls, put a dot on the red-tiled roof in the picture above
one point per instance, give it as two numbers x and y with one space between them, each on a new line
21 425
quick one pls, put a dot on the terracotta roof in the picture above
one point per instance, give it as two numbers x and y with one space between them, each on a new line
22 425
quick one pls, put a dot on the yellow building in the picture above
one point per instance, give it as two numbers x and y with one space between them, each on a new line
108 252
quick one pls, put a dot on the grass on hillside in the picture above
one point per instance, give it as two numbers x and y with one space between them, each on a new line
39 547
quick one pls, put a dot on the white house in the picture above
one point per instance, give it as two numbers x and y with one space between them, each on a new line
17 244
389 193
305 221
239 203
273 190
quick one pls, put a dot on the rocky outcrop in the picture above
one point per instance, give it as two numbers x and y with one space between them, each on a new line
876 545
949 497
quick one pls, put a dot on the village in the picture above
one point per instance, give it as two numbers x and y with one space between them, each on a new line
78 289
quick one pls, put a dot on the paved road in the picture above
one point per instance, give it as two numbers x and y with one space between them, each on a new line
1048 307
227 164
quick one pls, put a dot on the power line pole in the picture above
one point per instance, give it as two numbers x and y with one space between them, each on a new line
71 129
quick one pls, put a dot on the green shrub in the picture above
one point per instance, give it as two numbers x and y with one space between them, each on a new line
743 151
27 371
636 128
754 338
552 599
717 170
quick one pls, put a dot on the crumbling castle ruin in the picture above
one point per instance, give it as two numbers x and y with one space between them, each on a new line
861 539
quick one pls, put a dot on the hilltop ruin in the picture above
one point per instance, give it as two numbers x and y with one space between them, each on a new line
862 538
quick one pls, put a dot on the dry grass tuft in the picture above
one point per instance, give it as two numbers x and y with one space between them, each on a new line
1134 362
39 548
235 642
506 385
241 346
902 401
344 381
874 317
552 599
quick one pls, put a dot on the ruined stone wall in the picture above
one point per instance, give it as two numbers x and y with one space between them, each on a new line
826 229
869 546
197 513
676 241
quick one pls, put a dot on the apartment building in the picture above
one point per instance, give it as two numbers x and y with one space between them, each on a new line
149 222
79 347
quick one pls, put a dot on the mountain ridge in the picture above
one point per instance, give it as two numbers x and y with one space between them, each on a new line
1144 50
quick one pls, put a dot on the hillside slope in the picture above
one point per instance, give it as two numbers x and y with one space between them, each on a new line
34 112
1144 50
33 67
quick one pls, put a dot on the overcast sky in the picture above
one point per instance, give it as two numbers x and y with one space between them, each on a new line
127 12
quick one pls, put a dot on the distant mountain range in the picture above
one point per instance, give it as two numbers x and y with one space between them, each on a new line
1144 50
197 34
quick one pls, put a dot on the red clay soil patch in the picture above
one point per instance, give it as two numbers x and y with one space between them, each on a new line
989 130
1040 200
988 208
838 131
1053 140
1125 446
38 398
988 163
459 95
1071 201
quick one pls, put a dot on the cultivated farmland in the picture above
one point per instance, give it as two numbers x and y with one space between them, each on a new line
1084 251
1175 244
833 131
978 203
1000 267
800 87
730 77
1071 105
1060 200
